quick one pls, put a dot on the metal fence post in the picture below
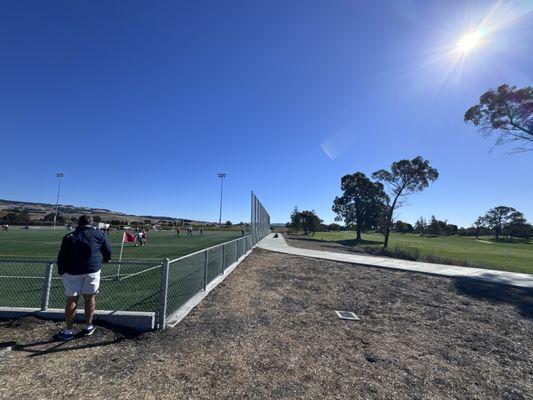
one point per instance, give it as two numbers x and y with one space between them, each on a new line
163 297
206 261
223 258
46 286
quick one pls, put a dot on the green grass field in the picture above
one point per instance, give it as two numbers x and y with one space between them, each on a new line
44 244
135 288
486 253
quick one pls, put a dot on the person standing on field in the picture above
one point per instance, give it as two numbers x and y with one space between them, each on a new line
79 262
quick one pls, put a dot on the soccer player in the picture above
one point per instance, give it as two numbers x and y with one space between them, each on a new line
79 262
177 231
201 232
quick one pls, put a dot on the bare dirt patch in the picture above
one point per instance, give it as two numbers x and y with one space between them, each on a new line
269 332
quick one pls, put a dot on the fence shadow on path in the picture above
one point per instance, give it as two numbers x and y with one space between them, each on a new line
520 298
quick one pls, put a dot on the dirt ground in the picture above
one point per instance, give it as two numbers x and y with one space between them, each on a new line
269 332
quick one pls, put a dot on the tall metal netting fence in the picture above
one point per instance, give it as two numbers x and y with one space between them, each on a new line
260 220
137 286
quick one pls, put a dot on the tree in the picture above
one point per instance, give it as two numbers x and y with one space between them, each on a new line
520 229
421 225
360 203
333 227
97 219
403 227
228 223
310 221
296 220
508 111
405 177
479 223
499 217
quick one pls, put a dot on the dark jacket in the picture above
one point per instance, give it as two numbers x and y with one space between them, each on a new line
83 251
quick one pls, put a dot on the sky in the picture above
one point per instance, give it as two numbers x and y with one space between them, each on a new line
140 104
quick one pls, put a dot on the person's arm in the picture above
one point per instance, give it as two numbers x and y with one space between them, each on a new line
105 248
63 256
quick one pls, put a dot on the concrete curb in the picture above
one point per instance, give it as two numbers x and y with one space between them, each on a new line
136 320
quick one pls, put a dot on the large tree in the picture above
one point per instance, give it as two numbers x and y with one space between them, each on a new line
507 111
361 202
310 221
498 218
479 224
405 177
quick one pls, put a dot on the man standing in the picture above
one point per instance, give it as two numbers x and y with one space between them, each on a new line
79 262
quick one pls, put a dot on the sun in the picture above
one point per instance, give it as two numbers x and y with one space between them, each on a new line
469 41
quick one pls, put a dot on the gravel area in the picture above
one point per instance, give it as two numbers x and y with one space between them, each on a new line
269 332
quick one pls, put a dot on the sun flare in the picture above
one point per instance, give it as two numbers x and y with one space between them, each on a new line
469 41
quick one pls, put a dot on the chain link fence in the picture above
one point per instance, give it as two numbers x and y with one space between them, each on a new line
161 288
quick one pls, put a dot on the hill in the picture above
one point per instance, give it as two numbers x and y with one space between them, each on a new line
37 211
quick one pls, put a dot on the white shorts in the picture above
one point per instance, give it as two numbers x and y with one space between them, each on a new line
81 284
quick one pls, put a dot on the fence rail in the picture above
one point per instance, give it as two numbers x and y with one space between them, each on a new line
158 287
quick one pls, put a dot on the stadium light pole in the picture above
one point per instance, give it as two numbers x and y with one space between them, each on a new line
59 176
221 176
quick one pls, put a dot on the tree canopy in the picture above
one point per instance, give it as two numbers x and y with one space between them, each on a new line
498 218
405 177
361 203
507 111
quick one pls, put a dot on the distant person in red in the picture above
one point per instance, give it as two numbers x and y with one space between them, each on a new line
144 239
78 263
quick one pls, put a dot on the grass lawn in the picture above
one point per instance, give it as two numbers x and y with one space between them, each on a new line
44 244
486 252
21 283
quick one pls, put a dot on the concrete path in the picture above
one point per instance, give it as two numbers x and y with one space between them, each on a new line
508 278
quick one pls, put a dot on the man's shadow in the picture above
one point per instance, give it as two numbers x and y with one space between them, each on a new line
79 342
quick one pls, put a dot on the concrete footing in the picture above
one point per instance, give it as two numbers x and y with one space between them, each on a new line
136 320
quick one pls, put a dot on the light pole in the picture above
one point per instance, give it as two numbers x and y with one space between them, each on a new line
221 176
59 176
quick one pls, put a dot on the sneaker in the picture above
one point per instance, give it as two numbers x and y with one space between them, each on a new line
89 330
65 335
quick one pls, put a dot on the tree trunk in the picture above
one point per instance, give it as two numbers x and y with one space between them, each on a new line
358 235
388 222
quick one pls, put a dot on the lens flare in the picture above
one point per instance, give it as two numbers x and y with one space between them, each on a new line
469 41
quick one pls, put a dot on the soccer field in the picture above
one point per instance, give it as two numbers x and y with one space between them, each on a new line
43 244
132 285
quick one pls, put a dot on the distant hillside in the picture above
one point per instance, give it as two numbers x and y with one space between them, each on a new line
37 211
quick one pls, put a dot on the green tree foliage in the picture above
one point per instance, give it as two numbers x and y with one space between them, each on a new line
403 227
498 218
333 227
405 177
361 203
310 222
296 220
519 229
50 218
507 111
421 225
479 224
17 215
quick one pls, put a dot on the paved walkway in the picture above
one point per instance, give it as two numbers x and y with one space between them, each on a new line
508 278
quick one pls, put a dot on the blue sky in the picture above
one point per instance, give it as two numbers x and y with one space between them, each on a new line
140 104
